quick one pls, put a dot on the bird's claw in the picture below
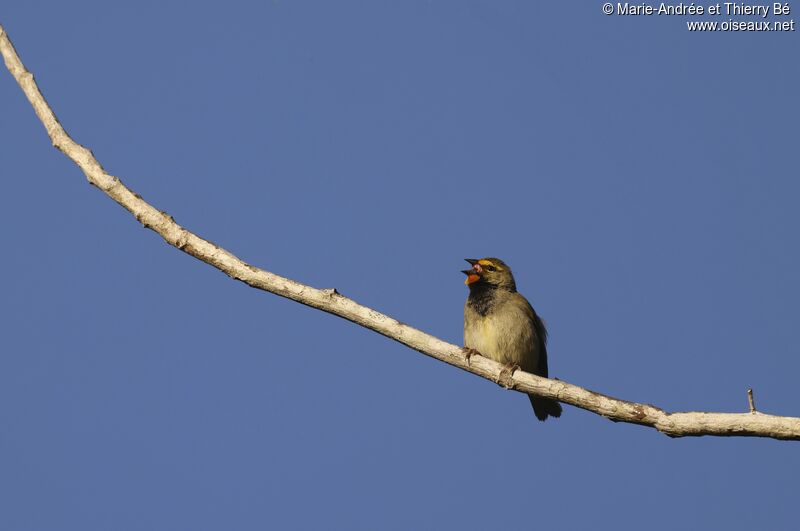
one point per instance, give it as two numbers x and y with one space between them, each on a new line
469 352
506 376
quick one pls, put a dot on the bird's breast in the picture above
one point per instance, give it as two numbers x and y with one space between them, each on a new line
481 334
504 335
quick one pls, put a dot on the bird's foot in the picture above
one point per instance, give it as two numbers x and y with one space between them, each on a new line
469 352
506 376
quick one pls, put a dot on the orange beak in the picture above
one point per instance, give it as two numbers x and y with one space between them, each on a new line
472 278
473 275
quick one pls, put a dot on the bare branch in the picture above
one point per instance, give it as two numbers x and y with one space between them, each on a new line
750 401
329 300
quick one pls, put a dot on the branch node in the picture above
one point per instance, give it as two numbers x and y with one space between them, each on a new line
183 240
330 292
114 181
750 401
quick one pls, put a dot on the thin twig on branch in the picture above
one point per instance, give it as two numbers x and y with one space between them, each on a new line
329 300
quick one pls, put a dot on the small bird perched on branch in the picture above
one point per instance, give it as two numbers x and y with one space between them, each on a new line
501 324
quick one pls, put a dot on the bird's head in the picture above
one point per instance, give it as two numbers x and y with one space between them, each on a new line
489 273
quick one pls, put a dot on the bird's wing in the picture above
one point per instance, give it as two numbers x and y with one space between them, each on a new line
540 337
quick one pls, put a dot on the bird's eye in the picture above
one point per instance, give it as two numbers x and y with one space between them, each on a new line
490 268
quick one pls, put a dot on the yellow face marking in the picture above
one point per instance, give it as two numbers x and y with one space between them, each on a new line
485 262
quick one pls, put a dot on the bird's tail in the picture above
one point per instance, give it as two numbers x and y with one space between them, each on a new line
544 407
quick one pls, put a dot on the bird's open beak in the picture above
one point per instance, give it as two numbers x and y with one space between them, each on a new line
473 275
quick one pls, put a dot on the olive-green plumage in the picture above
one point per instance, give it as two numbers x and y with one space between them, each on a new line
502 325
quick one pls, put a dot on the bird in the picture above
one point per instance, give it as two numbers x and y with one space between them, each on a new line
500 324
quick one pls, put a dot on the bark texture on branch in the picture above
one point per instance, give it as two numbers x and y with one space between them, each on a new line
329 300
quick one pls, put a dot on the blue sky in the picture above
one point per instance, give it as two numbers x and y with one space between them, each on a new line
640 179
